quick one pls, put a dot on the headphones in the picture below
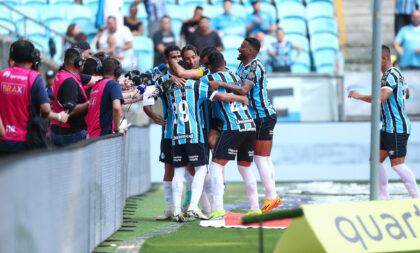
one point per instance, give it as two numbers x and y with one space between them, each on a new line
98 68
118 70
78 62
36 63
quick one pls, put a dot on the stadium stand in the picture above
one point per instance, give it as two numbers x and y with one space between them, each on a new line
322 25
319 10
61 2
291 10
143 52
293 26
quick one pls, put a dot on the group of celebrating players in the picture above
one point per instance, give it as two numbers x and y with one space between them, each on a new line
208 108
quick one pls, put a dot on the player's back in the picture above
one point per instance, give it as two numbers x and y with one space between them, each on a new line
235 115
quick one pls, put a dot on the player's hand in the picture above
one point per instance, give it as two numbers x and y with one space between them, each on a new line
215 84
159 120
178 81
418 50
400 50
122 130
64 117
245 100
353 94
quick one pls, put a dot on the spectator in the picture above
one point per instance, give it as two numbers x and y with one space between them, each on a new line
190 26
81 37
205 37
162 39
124 41
18 94
113 50
70 94
156 10
104 113
280 52
72 31
403 10
407 43
263 53
260 20
84 47
2 132
227 23
114 8
135 26
49 78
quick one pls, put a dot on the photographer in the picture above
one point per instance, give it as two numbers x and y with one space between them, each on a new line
22 88
104 113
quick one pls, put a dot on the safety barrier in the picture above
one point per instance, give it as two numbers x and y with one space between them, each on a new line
71 199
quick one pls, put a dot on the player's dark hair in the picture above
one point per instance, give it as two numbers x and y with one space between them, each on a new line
206 51
254 43
205 17
109 65
216 59
198 8
386 51
189 47
22 51
169 49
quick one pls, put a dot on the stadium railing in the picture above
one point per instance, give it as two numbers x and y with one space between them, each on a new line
71 199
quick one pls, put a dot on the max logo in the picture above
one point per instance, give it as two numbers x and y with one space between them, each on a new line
374 229
15 89
6 74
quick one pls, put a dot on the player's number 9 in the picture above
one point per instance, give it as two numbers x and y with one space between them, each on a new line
182 111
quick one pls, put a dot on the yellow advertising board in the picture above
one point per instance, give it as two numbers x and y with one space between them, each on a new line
374 226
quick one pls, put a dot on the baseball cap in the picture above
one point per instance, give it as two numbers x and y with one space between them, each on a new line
50 73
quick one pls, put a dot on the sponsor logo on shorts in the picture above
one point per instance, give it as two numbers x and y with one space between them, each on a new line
184 136
270 132
251 153
391 152
177 158
193 158
232 151
162 155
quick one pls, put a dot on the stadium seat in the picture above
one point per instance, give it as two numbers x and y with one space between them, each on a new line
302 64
87 26
324 61
5 13
141 12
40 42
192 2
300 69
143 52
93 6
269 39
53 13
231 58
324 41
61 2
232 42
32 28
176 26
220 2
239 10
78 13
293 26
59 26
6 27
212 11
300 40
322 25
291 10
33 3
12 2
283 1
312 1
266 7
28 11
319 10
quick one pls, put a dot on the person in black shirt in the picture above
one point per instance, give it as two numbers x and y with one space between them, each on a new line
205 37
162 39
190 26
135 26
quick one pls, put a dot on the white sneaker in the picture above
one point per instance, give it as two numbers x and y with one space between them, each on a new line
167 215
178 218
197 214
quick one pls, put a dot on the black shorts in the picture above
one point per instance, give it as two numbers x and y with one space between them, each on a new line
216 124
265 127
166 151
193 153
394 143
233 143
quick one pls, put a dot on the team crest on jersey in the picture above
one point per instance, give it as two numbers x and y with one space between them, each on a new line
251 75
162 155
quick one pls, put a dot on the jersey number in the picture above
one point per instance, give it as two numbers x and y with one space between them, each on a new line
182 112
235 108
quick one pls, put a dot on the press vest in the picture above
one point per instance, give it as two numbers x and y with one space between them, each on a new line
15 92
93 117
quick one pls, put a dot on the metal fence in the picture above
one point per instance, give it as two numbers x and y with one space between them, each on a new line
71 199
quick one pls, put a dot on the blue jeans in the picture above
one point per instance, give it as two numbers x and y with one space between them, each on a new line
61 140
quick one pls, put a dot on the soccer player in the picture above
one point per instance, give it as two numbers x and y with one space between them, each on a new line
236 140
188 142
396 126
254 84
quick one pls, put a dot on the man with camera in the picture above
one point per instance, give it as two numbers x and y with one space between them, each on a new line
104 112
22 88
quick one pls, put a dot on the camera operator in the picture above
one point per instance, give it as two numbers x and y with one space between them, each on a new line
70 95
22 88
104 113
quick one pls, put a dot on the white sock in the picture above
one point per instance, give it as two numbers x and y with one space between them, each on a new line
217 185
266 175
167 193
383 183
177 187
408 179
188 181
207 195
205 203
197 186
250 186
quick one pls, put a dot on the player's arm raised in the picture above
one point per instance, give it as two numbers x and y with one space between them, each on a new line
186 73
247 85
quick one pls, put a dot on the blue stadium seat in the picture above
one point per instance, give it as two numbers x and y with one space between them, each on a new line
193 3
143 52
28 11
324 41
293 26
266 7
269 39
58 41
141 12
239 10
6 27
5 13
232 42
53 13
33 3
312 1
231 58
283 1
78 13
324 61
32 28
302 64
291 10
220 2
59 25
180 12
322 25
176 25
87 26
93 6
212 11
319 10
12 2
300 40
41 42
62 2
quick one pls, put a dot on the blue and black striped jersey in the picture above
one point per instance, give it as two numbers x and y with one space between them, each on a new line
393 116
235 115
258 98
185 101
167 110
405 7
